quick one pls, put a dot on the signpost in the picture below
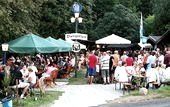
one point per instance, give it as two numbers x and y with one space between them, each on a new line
76 47
76 8
76 36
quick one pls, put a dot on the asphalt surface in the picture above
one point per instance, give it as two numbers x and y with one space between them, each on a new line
162 102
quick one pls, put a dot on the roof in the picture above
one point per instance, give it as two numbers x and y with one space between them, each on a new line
157 39
113 39
146 45
120 45
154 38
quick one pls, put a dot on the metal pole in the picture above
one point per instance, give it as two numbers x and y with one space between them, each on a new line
76 64
76 29
4 58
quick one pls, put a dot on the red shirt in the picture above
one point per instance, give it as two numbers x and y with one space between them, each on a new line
92 61
129 61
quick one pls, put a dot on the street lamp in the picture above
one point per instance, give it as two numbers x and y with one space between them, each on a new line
76 8
4 49
76 20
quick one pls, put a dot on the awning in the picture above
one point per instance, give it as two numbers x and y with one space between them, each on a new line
113 39
146 45
120 45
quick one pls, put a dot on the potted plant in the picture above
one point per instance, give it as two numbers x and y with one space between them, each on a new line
6 92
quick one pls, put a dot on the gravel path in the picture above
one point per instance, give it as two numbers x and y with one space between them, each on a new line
85 95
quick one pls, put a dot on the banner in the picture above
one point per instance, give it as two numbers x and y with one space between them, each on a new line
141 29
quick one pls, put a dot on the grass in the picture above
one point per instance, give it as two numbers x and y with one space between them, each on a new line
163 91
48 98
37 100
80 80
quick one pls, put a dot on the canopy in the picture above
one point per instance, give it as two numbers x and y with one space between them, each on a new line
145 45
113 39
120 45
32 43
64 47
72 42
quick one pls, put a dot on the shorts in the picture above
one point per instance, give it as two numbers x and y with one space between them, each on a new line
92 71
105 73
21 85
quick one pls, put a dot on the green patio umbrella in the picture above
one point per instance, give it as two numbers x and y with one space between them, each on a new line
66 43
32 43
64 47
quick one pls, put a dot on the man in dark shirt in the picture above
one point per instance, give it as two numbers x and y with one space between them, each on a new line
167 58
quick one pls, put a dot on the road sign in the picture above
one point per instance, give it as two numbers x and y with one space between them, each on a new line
76 47
76 36
77 7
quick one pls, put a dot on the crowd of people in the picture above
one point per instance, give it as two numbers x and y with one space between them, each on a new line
151 66
111 66
29 70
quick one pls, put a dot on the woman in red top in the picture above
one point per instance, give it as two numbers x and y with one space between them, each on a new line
129 65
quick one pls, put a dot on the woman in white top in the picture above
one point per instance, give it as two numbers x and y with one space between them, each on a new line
31 77
120 72
152 75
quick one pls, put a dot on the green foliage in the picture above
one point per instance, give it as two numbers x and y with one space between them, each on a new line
55 18
145 6
17 18
131 4
100 18
162 16
102 6
38 101
121 21
6 91
80 78
149 25
164 91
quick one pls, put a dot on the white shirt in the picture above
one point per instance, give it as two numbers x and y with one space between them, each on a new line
105 61
161 59
33 77
121 74
153 75
34 68
72 62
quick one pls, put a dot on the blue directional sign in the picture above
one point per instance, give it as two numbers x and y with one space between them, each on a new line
77 7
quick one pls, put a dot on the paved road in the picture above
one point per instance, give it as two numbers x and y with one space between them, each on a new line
165 102
85 95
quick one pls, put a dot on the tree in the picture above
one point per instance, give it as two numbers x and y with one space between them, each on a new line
18 17
121 21
162 16
102 6
149 25
131 4
146 7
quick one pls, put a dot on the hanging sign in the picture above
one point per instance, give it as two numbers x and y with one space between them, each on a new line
76 7
76 47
